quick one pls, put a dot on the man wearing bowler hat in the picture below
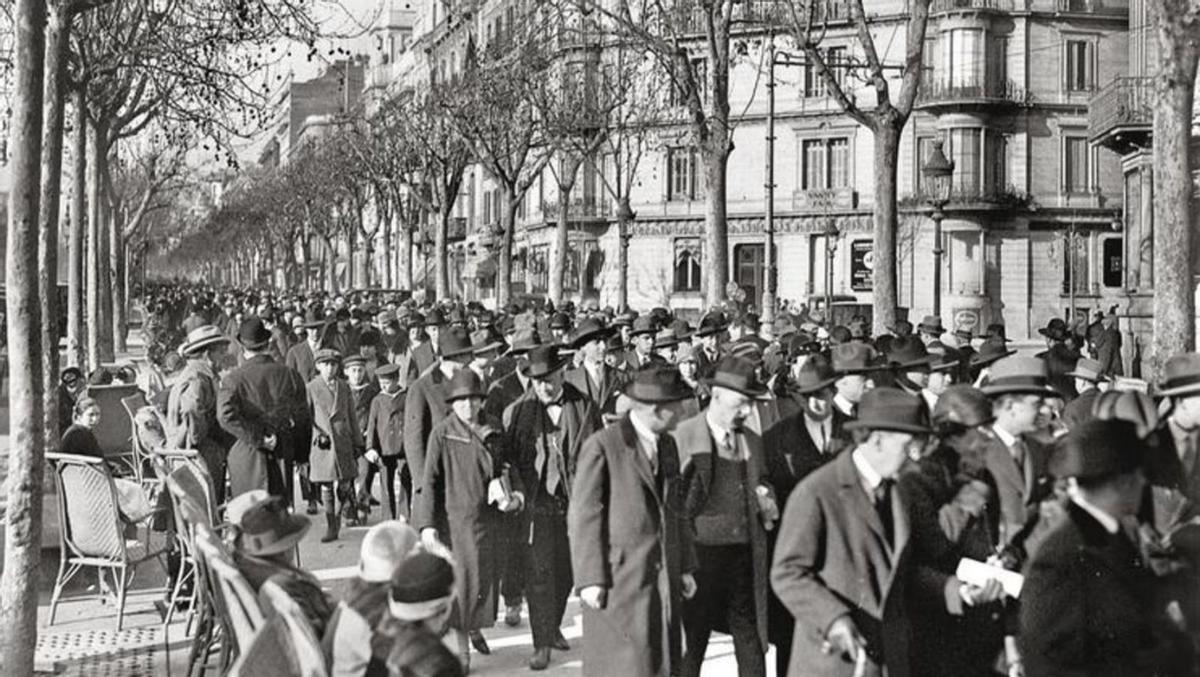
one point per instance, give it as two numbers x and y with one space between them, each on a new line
731 507
600 382
543 434
1089 604
1177 458
191 421
428 353
840 564
631 548
265 406
708 339
641 338
425 403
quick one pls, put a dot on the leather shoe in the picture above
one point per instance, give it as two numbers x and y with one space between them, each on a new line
540 659
560 642
480 643
512 616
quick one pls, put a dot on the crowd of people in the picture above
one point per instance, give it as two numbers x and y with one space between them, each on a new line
926 502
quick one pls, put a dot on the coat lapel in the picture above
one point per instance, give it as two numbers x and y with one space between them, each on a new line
856 498
639 459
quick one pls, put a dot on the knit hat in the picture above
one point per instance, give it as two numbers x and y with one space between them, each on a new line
421 587
384 548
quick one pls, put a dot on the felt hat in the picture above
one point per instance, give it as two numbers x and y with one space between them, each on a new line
737 374
268 528
463 384
815 375
891 409
70 376
543 361
1181 376
644 325
1019 375
1128 405
484 341
1098 448
414 319
625 319
996 330
682 329
524 341
908 353
657 385
712 323
748 349
931 324
589 330
327 355
237 506
454 342
422 587
614 344
943 357
991 350
1088 370
433 318
962 405
202 337
384 548
964 333
852 358
252 334
1055 330
666 338
389 371
801 343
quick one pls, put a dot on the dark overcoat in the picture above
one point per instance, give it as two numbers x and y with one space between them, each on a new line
385 424
603 394
523 426
333 416
832 559
629 535
451 496
257 399
1089 609
1019 492
423 357
424 406
300 357
501 393
792 454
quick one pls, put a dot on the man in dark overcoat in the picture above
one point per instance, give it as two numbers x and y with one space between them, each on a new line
1089 604
429 352
631 548
302 355
264 405
731 506
840 562
425 404
593 377
543 435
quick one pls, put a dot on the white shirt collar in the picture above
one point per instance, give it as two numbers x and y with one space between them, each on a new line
647 440
1110 523
718 433
871 479
845 405
819 431
1004 436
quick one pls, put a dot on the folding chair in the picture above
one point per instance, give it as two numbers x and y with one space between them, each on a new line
209 632
92 530
287 639
115 432
234 601
163 462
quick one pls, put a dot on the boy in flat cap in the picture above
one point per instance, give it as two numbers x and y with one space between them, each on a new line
336 440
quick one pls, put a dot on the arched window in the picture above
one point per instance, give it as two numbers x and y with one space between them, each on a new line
687 264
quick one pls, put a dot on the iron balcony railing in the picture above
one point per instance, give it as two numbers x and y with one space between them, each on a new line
942 6
1125 102
990 91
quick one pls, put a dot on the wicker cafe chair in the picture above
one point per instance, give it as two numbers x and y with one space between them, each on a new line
208 637
164 463
138 455
287 639
234 601
92 530
115 432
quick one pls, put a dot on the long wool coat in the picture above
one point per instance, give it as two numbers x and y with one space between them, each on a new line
333 416
424 406
629 535
451 497
698 458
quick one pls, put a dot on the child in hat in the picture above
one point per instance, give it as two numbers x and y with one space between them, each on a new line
385 439
363 390
336 440
421 603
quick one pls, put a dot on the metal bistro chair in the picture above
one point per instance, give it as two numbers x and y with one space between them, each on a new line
92 530
164 463
139 456
235 603
115 432
287 639
208 636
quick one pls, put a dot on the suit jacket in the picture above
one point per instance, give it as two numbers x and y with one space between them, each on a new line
258 399
424 406
333 416
698 454
385 424
300 357
792 454
191 420
604 394
1165 467
501 394
423 357
832 559
631 363
1089 608
705 366
523 429
629 535
1020 492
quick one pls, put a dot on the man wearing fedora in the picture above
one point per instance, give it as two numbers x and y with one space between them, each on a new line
641 340
910 363
191 421
425 404
945 365
707 339
264 405
930 329
1060 358
1088 380
543 435
852 365
631 547
731 506
593 377
1176 460
428 353
1089 604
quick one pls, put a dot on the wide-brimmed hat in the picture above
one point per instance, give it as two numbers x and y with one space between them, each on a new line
1181 376
1056 330
666 338
1098 448
711 323
682 329
202 337
738 374
625 319
463 384
267 528
962 405
1088 370
484 341
433 318
543 361
996 330
943 357
852 358
643 325
422 587
589 329
384 548
253 335
991 350
1019 375
454 342
908 353
327 355
656 385
932 324
816 374
891 409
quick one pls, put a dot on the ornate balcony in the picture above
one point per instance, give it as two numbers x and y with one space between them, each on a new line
1113 8
973 198
1121 116
947 6
953 95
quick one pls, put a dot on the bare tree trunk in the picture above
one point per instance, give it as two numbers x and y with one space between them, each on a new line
887 149
23 514
558 249
95 310
303 277
58 31
404 265
1174 280
624 223
387 226
441 255
76 338
504 269
116 257
331 281
716 227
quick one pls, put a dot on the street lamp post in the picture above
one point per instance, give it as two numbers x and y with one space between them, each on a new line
770 274
831 237
937 172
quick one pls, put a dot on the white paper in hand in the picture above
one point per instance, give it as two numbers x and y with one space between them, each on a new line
974 572
495 493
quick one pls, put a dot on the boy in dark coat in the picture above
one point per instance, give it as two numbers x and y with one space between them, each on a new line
336 441
385 439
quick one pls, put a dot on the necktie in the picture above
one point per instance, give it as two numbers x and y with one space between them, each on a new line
553 461
883 506
1018 452
1188 454
823 443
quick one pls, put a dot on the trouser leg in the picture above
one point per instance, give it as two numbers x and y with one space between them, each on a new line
549 573
389 479
515 544
364 492
741 614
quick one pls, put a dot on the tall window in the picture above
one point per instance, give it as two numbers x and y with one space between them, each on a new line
1113 255
687 264
963 57
683 174
1075 263
835 60
826 163
966 152
996 161
924 149
1076 156
1080 65
539 269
